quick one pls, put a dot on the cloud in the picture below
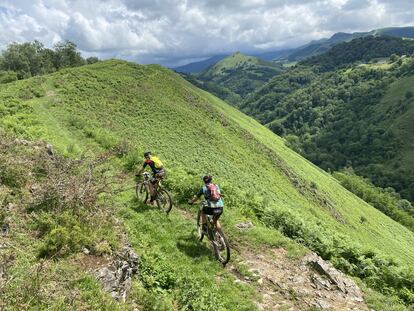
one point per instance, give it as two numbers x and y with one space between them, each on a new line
171 31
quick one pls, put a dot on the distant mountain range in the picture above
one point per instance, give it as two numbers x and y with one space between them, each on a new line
201 65
312 48
323 45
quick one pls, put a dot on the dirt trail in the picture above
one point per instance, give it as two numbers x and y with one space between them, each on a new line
308 283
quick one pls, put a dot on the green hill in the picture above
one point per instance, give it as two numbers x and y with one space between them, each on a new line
239 73
114 104
357 116
199 66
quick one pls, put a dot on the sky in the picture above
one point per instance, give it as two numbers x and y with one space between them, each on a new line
175 32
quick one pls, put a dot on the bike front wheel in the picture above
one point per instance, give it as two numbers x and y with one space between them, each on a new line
199 227
142 192
163 200
221 247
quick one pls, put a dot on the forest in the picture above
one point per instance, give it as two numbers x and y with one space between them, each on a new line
24 60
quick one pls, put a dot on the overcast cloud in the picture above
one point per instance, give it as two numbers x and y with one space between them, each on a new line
173 32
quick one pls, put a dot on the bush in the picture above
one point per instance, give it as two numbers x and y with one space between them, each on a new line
132 160
12 174
386 200
156 272
194 296
184 184
7 76
62 241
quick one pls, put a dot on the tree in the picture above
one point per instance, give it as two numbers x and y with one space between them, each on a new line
92 60
66 55
26 59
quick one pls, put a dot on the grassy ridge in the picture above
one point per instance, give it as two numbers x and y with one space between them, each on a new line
241 74
99 106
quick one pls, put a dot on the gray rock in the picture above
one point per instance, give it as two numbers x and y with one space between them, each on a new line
116 278
335 278
5 229
9 206
49 150
244 225
321 304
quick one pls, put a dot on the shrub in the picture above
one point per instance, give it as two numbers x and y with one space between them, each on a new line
183 184
156 272
7 76
12 174
62 241
132 160
194 296
386 200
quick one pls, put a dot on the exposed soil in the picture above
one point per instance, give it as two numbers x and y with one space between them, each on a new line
91 262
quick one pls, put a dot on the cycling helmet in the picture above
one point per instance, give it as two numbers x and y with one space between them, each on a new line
147 153
207 178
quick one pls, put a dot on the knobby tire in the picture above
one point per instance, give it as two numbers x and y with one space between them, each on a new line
163 200
142 192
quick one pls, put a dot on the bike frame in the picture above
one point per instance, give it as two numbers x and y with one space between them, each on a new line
162 196
210 223
211 233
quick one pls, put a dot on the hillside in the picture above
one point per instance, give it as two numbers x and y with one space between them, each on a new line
199 66
114 104
355 116
240 74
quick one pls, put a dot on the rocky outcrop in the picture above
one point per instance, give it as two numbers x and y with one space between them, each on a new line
116 278
244 225
298 284
331 278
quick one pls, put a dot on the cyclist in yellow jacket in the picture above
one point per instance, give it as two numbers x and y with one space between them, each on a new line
157 169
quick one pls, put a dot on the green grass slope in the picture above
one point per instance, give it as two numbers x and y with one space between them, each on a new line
99 106
358 116
240 73
398 103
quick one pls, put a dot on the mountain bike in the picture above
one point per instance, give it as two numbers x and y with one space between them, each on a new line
162 197
215 235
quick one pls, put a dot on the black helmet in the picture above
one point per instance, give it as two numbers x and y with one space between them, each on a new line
207 178
147 153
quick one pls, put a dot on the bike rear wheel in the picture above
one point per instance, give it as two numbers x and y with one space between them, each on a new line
221 247
142 192
163 200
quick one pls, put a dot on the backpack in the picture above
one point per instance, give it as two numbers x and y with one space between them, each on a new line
213 190
157 162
